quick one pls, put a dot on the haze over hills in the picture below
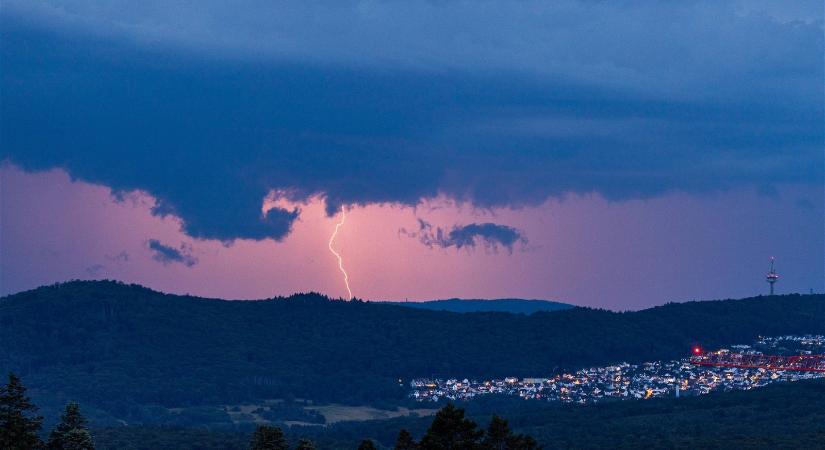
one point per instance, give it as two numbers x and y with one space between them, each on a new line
510 305
125 350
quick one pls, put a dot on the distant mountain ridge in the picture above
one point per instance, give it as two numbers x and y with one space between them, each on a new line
508 305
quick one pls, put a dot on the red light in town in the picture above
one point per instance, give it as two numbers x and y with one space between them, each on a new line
697 350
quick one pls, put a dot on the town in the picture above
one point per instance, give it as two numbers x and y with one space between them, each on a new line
633 381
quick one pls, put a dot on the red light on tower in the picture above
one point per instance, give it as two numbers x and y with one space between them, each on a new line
697 350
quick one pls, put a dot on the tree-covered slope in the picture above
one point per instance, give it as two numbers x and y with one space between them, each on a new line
109 344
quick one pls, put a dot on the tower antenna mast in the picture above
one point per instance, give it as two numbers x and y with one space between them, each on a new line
772 276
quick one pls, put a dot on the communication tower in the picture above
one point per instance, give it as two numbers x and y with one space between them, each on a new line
772 277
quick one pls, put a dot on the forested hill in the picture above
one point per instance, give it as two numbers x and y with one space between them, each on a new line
511 305
110 344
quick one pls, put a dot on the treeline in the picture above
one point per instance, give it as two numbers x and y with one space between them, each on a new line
127 351
783 415
20 429
450 429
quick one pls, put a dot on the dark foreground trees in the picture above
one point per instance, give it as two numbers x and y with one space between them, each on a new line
305 444
405 441
19 422
500 437
451 430
267 437
71 433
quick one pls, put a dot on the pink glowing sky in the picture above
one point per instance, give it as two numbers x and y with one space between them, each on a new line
583 249
647 153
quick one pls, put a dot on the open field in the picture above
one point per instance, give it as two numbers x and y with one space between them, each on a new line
343 413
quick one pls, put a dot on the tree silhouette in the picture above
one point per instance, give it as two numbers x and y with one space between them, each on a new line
451 430
71 433
366 444
268 438
305 444
18 423
498 434
523 442
500 437
405 441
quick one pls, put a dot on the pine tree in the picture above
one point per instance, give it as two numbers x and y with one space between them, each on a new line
268 438
305 444
366 444
18 423
77 439
523 442
500 437
498 434
451 430
405 441
71 433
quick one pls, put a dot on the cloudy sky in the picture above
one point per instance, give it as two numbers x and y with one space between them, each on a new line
610 154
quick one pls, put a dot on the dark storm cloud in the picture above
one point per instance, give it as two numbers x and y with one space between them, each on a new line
491 235
394 102
166 255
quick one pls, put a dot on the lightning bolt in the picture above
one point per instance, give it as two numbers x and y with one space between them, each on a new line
340 261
